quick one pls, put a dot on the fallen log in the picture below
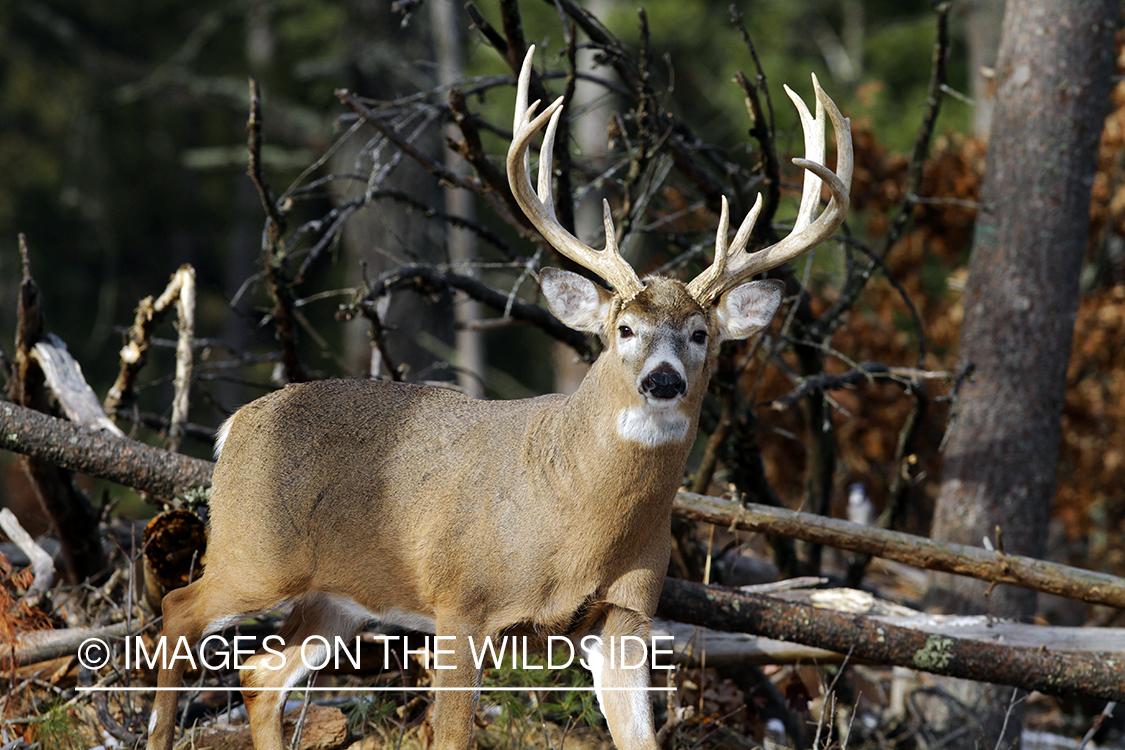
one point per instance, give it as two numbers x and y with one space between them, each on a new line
165 474
920 552
120 460
1101 675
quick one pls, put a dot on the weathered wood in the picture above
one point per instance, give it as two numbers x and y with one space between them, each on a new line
975 562
1100 675
167 474
150 312
42 566
43 645
721 647
65 379
68 508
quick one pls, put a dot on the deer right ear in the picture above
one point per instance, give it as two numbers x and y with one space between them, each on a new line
575 300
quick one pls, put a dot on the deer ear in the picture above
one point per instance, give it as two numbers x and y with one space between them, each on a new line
575 300
748 308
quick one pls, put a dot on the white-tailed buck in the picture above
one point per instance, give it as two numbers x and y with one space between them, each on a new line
353 500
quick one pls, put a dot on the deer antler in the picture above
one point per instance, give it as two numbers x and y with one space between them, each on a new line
733 265
540 208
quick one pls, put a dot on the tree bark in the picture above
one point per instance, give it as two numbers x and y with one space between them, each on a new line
882 643
70 446
1052 78
167 475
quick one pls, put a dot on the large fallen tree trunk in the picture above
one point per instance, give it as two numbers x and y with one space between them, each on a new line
169 474
1099 675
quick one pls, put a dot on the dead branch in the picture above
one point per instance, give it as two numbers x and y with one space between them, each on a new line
150 313
169 474
276 218
427 278
185 329
481 24
42 566
371 117
498 194
855 284
1098 675
65 379
762 130
907 377
273 257
1040 575
64 444
43 645
164 473
903 481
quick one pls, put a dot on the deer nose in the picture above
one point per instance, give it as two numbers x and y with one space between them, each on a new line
664 383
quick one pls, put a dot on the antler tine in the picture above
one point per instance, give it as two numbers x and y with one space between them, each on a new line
813 128
712 278
539 205
734 266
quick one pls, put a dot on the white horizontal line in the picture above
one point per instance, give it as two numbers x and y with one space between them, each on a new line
367 689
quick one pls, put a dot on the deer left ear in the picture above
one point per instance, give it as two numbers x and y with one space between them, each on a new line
748 308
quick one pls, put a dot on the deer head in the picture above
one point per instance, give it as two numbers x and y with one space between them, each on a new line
662 330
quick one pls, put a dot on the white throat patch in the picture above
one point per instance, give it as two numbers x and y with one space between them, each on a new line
651 426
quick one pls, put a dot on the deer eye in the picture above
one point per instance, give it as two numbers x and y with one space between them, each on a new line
699 337
625 331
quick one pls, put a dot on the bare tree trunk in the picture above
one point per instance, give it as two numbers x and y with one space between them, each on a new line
387 234
447 19
1052 78
60 500
982 33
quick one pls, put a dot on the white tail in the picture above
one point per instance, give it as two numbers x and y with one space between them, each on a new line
346 501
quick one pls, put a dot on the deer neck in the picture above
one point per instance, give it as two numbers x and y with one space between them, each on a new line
597 455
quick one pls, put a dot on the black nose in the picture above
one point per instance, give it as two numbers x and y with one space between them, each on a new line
663 382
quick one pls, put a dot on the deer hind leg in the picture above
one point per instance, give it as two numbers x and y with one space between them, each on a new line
620 667
457 680
190 613
267 677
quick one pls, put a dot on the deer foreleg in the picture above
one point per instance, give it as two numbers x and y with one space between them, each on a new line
619 661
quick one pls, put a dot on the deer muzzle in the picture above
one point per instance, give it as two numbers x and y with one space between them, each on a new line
664 383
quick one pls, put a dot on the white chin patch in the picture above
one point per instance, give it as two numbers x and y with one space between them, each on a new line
652 426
